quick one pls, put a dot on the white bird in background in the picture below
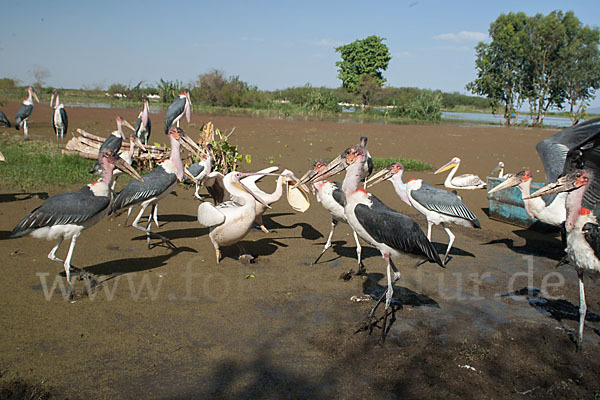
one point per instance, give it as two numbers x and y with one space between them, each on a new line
466 181
60 122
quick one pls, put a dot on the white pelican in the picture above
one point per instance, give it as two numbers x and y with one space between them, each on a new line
230 221
466 181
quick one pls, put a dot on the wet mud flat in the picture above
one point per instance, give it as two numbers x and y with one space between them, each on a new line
496 323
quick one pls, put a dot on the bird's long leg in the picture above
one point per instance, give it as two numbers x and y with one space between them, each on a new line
25 130
155 215
429 224
148 231
451 235
197 195
328 244
361 267
582 311
128 214
259 221
68 263
52 254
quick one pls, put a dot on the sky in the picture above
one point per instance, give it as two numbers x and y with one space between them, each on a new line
268 44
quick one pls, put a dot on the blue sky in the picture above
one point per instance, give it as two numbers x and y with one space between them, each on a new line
270 44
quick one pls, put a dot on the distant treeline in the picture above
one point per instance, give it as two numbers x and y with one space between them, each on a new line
213 89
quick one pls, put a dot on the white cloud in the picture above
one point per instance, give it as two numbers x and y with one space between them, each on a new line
402 54
463 36
251 39
327 43
453 48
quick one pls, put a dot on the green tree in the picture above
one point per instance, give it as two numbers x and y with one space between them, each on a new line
499 76
581 76
363 62
545 60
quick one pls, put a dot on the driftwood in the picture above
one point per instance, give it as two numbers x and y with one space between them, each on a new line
87 144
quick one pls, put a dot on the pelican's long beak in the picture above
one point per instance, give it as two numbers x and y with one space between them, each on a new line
565 183
247 189
380 176
35 96
445 167
51 100
128 169
2 158
510 181
139 143
297 197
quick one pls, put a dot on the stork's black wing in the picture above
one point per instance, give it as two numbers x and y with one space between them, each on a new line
155 183
338 194
4 120
443 202
396 230
591 232
62 209
22 114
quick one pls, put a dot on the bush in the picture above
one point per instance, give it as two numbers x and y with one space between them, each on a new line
426 106
322 100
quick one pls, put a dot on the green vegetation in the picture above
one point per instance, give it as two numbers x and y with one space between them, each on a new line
361 67
409 164
545 61
31 165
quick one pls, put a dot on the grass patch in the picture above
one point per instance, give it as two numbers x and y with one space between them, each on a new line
32 165
409 164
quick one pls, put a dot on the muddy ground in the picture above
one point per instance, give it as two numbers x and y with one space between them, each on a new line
174 324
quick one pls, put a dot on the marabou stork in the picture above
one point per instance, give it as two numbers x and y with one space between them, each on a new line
60 122
331 197
553 152
157 184
66 215
4 120
230 221
437 205
180 106
466 181
389 231
581 179
113 142
24 112
553 213
143 126
367 166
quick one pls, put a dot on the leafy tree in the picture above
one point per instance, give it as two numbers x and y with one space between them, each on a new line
545 60
581 76
362 64
168 90
498 63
